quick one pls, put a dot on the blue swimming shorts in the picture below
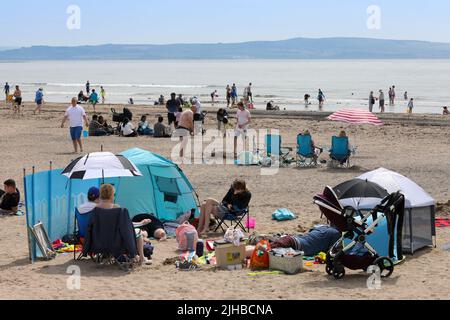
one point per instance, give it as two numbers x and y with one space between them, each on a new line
76 132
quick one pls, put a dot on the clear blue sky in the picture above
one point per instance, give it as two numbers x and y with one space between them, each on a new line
43 22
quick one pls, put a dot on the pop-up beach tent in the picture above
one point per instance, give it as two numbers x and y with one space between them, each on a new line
420 207
162 190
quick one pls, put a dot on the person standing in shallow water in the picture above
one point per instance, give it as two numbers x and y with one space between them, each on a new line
371 101
382 101
321 98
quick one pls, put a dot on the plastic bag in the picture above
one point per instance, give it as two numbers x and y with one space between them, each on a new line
260 256
233 236
283 215
187 237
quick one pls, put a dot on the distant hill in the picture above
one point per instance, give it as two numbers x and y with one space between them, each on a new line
298 48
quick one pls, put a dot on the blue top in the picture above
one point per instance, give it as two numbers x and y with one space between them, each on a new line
39 96
94 97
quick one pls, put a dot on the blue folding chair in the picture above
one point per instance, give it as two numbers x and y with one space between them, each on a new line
274 148
306 156
80 228
340 151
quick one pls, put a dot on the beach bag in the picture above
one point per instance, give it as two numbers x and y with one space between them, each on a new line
187 237
260 256
283 215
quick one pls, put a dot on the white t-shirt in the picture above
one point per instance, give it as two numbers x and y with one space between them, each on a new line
127 129
75 116
243 117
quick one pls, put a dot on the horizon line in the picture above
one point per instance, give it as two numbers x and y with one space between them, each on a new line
218 43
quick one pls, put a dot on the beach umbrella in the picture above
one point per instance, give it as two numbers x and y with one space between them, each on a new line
101 165
356 116
357 193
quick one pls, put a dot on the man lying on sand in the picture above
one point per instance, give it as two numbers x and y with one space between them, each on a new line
319 239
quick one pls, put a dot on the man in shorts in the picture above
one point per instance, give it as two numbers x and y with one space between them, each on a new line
185 128
76 115
172 106
243 120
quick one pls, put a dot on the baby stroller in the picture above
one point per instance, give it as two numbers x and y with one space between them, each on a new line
119 118
356 226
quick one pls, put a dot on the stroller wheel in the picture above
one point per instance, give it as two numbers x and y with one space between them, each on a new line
338 272
386 266
329 269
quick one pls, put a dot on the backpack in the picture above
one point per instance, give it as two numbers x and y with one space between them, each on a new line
187 237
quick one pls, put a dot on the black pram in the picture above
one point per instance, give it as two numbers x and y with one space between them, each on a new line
355 227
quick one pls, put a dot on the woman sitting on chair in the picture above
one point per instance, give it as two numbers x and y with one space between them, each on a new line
236 200
315 151
343 134
106 202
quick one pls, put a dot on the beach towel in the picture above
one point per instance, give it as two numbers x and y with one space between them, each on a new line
442 222
283 215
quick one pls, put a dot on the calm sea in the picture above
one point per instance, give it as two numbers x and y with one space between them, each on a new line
345 83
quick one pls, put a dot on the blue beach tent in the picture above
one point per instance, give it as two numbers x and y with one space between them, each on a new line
163 189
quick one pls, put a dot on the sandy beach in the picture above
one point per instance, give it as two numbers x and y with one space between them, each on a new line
416 146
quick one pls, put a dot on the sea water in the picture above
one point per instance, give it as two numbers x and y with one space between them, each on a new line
346 83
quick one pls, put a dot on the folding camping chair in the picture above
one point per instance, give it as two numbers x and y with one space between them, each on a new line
340 152
237 218
306 156
80 230
274 148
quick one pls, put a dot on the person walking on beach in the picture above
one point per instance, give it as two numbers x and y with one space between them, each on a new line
185 128
411 106
248 94
243 120
103 94
39 99
228 89
234 95
214 95
17 100
405 95
172 107
76 115
371 101
6 90
321 98
381 99
93 99
88 87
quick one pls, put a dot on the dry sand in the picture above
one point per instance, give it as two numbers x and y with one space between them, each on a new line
403 144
